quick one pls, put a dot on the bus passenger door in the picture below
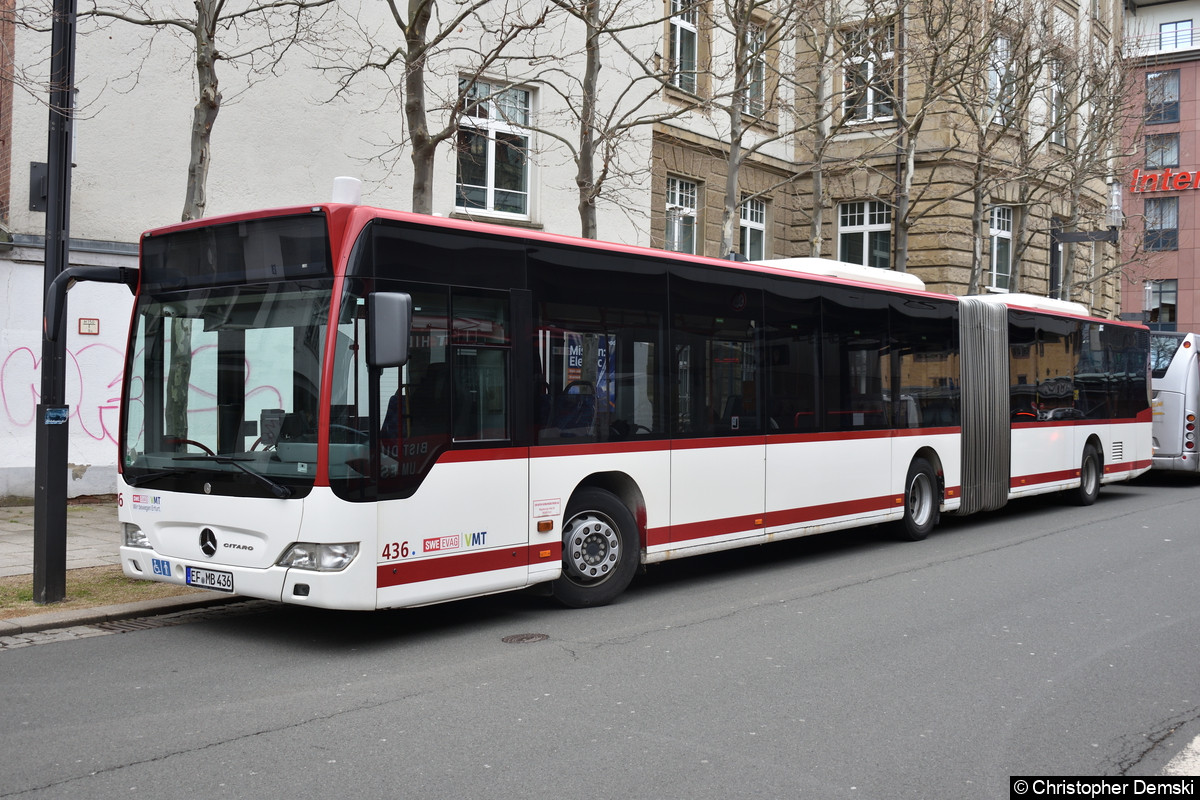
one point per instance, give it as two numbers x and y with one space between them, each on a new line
718 453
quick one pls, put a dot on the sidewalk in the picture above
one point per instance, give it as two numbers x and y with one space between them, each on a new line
93 539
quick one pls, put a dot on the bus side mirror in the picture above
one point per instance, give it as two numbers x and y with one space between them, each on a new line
390 315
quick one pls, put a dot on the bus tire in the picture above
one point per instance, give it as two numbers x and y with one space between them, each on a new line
1090 471
600 550
922 505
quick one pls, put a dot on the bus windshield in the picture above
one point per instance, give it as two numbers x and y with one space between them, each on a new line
223 390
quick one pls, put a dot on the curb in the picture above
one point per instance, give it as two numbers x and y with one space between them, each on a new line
99 614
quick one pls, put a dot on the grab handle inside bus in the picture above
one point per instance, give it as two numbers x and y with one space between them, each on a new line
390 314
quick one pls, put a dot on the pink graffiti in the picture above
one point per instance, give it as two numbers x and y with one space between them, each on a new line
95 402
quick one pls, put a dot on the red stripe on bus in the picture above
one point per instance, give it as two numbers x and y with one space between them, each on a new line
483 454
692 531
1071 423
429 569
796 516
1023 481
1125 466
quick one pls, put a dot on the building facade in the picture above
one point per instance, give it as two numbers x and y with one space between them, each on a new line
1162 172
772 133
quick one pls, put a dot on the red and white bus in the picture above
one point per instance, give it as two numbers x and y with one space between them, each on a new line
348 407
1175 383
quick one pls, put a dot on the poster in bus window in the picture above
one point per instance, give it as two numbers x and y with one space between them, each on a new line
605 373
574 357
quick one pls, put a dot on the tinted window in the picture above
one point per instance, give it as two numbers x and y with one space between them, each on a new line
598 337
714 341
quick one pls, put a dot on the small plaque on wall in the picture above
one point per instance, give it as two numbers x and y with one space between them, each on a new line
89 326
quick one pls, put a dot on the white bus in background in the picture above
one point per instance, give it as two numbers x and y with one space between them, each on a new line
1175 379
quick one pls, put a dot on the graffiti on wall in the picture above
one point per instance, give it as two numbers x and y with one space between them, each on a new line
94 402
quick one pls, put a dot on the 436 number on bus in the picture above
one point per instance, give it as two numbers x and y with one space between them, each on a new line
395 550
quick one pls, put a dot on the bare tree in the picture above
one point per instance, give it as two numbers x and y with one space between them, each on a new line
456 49
255 36
602 102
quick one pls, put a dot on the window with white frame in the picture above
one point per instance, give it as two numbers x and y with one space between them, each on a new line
493 151
1001 86
684 44
755 102
1173 35
869 77
1000 236
752 235
681 215
1058 104
865 233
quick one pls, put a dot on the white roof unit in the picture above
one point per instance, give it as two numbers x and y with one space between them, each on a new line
849 272
1036 302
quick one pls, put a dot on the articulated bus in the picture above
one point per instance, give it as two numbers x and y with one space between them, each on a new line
1175 384
353 408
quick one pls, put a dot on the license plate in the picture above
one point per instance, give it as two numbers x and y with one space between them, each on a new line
210 579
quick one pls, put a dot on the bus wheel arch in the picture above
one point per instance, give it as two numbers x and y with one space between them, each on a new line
602 541
1091 473
923 494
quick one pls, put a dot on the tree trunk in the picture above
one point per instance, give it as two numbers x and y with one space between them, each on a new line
423 147
205 113
585 178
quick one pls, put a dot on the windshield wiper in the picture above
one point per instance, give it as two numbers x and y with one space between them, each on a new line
277 489
139 480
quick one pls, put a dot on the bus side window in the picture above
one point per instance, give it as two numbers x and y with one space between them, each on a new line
791 356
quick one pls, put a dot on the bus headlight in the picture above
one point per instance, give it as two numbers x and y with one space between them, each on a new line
134 536
319 557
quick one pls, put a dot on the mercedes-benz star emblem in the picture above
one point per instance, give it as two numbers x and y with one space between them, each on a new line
208 542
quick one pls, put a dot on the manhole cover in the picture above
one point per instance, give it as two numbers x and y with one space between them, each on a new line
525 638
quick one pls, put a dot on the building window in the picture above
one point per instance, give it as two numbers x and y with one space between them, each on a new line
684 44
865 233
1172 35
755 102
681 215
493 151
752 235
1001 82
1058 104
1162 150
870 74
1000 236
1162 96
1162 223
1161 302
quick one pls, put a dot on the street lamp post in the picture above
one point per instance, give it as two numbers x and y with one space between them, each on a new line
50 469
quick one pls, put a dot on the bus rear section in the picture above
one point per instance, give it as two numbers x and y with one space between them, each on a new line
1175 378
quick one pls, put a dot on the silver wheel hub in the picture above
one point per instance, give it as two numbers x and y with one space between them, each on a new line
593 546
920 503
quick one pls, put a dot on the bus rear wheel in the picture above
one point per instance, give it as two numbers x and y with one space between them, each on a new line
600 550
922 505
1090 471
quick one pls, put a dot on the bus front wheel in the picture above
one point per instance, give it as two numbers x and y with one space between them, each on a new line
1090 471
600 550
921 502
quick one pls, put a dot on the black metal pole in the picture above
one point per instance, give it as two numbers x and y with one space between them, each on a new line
50 470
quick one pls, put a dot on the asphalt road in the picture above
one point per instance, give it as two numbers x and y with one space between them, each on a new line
1042 639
